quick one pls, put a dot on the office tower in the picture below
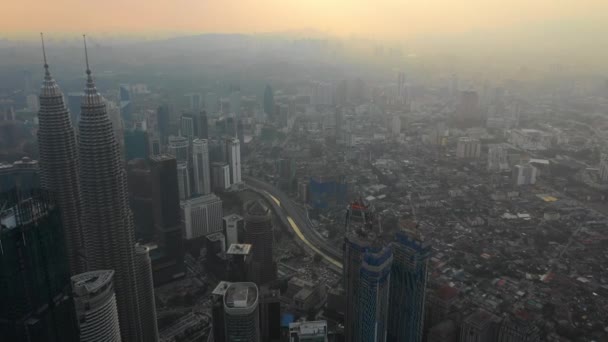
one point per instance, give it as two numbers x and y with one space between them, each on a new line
241 316
374 294
311 331
137 144
155 146
258 232
269 102
468 148
396 125
23 175
32 103
59 165
163 119
74 103
359 216
408 286
355 245
189 127
217 311
139 181
183 180
200 165
202 216
233 156
468 110
96 306
195 100
233 224
235 101
240 133
145 294
524 174
126 108
220 176
518 327
35 301
107 219
480 326
497 158
203 128
270 314
211 103
179 148
240 262
167 218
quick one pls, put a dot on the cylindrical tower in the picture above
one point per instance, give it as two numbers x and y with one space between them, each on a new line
96 306
241 317
258 232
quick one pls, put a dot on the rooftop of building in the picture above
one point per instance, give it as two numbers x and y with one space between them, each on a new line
239 249
241 295
90 282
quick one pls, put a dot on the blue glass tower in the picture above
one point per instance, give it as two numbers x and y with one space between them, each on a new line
374 294
407 287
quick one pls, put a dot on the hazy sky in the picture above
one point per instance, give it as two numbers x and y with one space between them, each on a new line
381 19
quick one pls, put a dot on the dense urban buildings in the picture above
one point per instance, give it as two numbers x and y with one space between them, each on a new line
96 309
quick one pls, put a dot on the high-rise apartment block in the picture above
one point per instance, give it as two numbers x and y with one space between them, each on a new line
468 148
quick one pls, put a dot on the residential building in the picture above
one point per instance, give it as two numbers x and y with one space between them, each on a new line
468 148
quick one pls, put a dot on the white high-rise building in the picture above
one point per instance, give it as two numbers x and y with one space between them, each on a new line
220 173
178 147
183 180
233 156
187 126
96 309
202 171
202 216
497 158
524 174
231 228
468 148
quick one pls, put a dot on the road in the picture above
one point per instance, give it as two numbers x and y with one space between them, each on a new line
293 216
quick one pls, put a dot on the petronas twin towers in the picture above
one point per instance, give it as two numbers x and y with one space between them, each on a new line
89 181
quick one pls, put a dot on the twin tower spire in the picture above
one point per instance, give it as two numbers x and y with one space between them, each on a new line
88 177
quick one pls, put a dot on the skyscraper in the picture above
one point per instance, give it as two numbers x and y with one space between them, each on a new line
258 232
269 102
59 165
96 306
374 294
233 224
200 164
145 294
241 316
220 176
178 147
189 127
355 246
183 180
35 301
168 224
139 180
163 122
407 287
203 129
107 219
233 156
